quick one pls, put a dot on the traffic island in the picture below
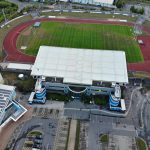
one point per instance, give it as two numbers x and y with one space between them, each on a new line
141 144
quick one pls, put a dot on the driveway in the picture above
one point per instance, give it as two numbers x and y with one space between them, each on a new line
47 126
146 117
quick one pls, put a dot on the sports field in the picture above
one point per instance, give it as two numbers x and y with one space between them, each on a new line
76 35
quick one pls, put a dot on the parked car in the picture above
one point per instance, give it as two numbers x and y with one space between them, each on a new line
39 137
38 141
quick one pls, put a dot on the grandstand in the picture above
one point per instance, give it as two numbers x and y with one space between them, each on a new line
9 108
68 70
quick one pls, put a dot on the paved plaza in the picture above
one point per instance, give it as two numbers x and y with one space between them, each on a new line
55 121
121 143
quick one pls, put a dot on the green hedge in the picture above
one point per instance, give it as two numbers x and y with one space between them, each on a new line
104 138
57 96
77 136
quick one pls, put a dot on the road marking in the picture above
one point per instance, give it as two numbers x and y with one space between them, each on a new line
138 103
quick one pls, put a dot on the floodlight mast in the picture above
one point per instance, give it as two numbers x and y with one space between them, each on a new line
138 25
4 15
138 28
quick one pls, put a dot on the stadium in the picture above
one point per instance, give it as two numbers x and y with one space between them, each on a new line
109 42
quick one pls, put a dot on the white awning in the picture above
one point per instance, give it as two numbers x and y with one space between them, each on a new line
19 66
123 106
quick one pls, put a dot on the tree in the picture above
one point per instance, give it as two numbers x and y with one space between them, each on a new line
137 10
120 3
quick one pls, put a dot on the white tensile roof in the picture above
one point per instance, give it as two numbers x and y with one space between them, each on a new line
81 66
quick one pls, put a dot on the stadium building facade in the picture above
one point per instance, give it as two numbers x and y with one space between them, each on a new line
80 71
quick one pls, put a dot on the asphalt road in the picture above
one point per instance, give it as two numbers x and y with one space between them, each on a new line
108 125
136 108
146 117
42 125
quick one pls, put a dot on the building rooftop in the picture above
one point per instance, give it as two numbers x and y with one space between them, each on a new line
5 94
81 66
6 87
110 2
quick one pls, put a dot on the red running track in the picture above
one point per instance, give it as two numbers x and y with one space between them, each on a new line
15 55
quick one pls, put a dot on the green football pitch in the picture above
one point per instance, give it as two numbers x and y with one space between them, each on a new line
76 35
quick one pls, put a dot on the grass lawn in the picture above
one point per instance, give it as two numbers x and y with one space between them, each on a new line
76 35
104 138
34 133
101 100
66 144
140 144
25 86
77 136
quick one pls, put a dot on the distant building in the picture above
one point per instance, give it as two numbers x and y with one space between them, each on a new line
103 3
9 108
